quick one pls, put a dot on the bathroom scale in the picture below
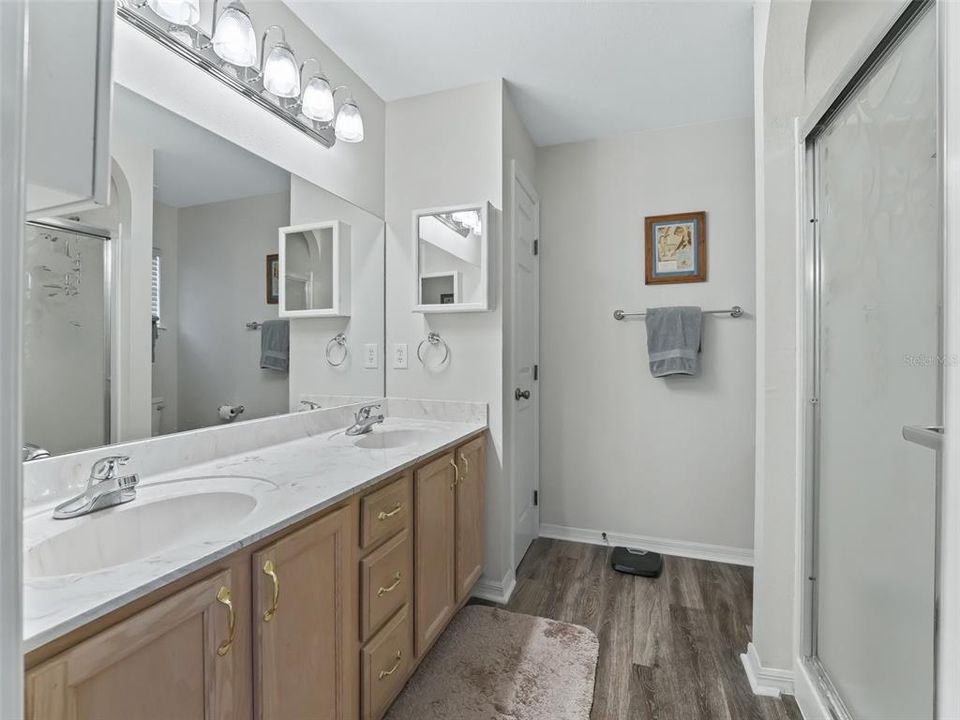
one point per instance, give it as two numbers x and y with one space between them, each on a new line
637 562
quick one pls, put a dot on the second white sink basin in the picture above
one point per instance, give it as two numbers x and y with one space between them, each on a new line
386 439
157 520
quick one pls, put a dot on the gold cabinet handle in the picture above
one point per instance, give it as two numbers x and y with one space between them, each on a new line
391 671
385 515
456 471
391 587
223 597
271 571
466 467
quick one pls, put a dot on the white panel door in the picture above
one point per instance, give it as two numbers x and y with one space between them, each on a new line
525 344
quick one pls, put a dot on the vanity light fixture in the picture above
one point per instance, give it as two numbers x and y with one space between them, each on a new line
229 53
349 123
233 37
281 76
317 101
179 12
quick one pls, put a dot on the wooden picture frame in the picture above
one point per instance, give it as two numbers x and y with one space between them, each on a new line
273 279
676 248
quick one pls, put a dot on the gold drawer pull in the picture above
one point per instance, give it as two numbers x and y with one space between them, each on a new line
223 597
391 671
385 515
466 467
391 587
271 571
456 473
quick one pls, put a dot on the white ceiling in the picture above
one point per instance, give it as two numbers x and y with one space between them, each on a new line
191 165
577 70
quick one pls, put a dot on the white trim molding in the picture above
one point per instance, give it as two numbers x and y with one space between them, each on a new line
680 548
771 682
497 591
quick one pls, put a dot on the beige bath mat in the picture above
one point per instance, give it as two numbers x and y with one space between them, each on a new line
492 664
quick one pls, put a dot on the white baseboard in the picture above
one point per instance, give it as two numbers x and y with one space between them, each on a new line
498 591
697 551
771 682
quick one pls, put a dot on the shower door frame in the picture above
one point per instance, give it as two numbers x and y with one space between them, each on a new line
815 692
91 231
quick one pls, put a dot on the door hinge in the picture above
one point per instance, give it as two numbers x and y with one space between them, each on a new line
536 247
536 372
536 497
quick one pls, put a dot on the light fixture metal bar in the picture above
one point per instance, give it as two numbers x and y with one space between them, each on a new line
325 135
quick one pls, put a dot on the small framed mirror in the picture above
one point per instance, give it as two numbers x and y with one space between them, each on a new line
315 270
452 251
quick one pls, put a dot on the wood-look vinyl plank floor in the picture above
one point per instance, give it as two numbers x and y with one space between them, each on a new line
669 647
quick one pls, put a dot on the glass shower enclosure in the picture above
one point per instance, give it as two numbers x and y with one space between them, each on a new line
66 336
876 276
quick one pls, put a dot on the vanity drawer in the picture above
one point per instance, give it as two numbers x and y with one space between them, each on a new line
386 663
385 577
385 512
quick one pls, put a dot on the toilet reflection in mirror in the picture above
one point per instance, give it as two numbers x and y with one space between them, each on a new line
151 315
453 246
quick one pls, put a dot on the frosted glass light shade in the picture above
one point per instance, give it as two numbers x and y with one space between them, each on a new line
317 101
179 12
234 39
281 76
349 124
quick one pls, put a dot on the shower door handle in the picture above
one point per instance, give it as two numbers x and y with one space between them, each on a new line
930 436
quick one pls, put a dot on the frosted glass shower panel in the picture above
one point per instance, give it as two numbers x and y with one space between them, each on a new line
65 340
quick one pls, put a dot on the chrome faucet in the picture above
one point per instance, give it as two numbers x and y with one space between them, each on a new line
105 488
29 452
306 405
363 422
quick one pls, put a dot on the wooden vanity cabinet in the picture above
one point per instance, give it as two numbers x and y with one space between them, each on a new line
448 525
326 620
304 619
435 507
471 461
177 659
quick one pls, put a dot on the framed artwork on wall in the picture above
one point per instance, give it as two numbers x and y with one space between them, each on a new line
273 279
676 248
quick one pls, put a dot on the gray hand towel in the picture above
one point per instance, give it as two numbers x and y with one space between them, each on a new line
275 345
673 340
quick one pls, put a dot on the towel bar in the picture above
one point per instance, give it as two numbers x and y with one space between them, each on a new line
735 311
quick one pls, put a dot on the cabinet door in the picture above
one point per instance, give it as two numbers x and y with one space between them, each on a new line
173 660
434 528
305 623
470 494
69 87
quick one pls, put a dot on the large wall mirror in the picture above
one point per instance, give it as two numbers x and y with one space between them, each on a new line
160 313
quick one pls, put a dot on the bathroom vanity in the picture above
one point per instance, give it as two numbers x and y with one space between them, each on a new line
318 604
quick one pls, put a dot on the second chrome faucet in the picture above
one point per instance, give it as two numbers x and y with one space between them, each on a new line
364 421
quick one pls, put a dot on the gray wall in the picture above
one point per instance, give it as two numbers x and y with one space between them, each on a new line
221 273
623 452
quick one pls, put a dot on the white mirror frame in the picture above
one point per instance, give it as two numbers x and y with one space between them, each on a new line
341 270
483 305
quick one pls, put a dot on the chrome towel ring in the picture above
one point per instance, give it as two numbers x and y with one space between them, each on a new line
434 339
338 340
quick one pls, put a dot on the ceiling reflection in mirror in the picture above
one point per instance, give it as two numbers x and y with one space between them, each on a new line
162 312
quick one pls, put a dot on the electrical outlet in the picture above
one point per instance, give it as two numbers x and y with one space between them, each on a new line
371 356
400 356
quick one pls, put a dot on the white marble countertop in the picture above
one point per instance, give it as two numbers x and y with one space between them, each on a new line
290 481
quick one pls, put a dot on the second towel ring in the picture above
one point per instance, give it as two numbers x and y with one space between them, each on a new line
434 339
337 340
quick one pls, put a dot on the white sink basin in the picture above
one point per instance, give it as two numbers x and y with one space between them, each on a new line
386 439
162 517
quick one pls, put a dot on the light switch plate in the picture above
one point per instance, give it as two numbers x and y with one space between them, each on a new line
371 359
400 356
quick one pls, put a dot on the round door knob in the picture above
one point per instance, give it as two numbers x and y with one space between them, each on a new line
519 394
